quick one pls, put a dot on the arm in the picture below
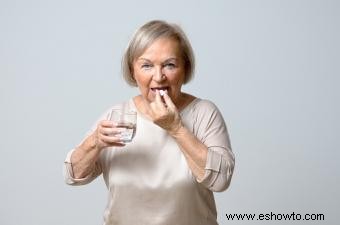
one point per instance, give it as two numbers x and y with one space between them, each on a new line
208 153
81 165
84 157
193 149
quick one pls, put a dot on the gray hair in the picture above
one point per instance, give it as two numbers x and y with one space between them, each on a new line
148 34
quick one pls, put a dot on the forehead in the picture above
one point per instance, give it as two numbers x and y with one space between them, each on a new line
161 47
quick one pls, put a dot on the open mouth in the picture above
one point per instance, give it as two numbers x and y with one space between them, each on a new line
160 89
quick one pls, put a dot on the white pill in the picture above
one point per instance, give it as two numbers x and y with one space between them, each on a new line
161 92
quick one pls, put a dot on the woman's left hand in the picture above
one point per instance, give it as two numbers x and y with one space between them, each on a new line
164 113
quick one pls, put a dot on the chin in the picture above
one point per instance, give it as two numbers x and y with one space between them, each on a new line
149 98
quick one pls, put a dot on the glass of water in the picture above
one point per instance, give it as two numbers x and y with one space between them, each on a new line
125 118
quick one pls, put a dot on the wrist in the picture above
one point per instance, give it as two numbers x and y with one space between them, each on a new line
91 143
177 130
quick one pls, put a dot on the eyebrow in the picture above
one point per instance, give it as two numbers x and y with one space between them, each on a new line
167 60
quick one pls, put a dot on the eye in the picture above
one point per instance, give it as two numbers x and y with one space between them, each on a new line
170 65
146 66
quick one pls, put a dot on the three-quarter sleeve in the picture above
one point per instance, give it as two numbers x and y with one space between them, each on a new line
218 169
69 176
67 167
212 131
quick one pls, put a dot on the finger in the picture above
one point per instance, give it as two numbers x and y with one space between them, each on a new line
111 131
157 106
111 140
169 102
107 123
158 98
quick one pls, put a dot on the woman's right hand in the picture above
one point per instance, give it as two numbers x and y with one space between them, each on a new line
107 134
84 157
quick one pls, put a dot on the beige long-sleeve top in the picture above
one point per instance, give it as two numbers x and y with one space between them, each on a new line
149 181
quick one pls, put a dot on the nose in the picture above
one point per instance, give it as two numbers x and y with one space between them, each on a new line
159 75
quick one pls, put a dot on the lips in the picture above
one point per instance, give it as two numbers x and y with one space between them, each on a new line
160 88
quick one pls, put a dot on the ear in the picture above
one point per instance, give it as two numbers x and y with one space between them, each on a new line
132 74
133 80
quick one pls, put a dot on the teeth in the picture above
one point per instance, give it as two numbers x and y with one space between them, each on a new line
162 91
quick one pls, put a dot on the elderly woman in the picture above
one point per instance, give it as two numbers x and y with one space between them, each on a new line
181 152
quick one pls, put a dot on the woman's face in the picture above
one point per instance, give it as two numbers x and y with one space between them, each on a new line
160 67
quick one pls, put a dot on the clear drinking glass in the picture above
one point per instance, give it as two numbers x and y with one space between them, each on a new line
125 118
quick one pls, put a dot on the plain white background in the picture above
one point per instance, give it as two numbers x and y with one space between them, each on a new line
272 67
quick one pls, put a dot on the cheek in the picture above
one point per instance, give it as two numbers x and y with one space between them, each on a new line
143 83
178 79
140 79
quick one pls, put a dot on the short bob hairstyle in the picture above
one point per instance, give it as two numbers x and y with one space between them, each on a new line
148 34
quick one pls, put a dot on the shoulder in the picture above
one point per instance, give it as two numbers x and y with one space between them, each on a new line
204 119
203 106
202 110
